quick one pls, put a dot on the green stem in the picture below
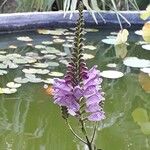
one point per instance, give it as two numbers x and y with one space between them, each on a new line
89 144
94 132
73 132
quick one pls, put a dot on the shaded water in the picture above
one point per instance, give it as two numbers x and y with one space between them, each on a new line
30 121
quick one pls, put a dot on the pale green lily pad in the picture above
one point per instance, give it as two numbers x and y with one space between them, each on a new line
52 32
87 56
109 41
29 71
56 74
3 66
30 60
58 40
111 74
32 78
61 54
40 47
70 37
3 58
13 85
40 65
53 64
145 70
42 71
3 52
140 115
146 47
7 91
21 80
20 61
3 72
145 128
52 50
68 33
63 61
91 30
32 54
55 37
47 42
67 45
12 46
24 38
136 62
139 32
90 47
51 57
49 81
112 65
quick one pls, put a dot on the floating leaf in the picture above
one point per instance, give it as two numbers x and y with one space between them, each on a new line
87 56
111 74
140 115
58 40
3 66
7 91
47 42
49 81
112 65
21 80
52 32
139 32
29 71
90 47
109 41
49 57
13 85
2 72
145 70
40 47
144 80
56 74
53 64
3 52
146 47
12 46
67 45
91 30
136 62
40 65
24 38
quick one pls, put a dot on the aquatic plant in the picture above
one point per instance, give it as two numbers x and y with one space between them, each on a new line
79 94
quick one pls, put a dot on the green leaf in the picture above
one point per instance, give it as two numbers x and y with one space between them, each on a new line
146 14
140 115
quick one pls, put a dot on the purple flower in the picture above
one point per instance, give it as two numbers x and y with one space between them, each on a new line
65 94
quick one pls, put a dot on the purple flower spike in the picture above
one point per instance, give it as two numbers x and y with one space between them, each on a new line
66 94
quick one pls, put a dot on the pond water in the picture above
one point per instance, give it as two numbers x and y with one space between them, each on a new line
30 121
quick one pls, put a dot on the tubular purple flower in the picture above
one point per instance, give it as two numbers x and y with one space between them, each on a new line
67 95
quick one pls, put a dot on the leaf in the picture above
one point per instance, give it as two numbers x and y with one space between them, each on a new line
146 14
122 37
140 115
146 32
144 80
121 50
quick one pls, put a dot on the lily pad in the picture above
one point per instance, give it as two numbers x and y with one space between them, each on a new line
109 41
56 74
12 46
121 50
58 40
29 71
49 81
139 32
40 47
67 45
112 65
24 38
7 91
90 47
2 72
136 62
53 64
13 85
47 42
140 115
145 70
146 47
21 80
40 65
111 74
51 57
88 56
3 66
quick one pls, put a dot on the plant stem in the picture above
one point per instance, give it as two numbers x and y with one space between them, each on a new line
94 132
73 132
89 144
